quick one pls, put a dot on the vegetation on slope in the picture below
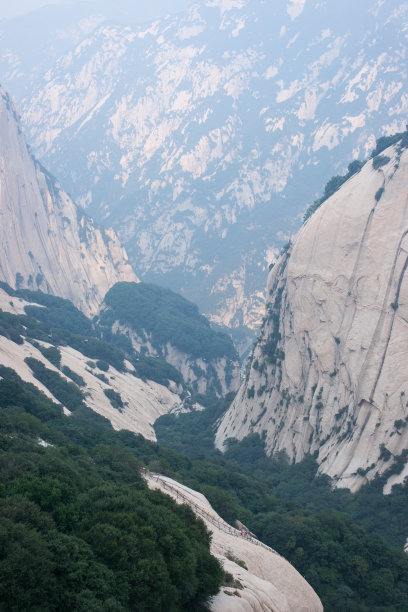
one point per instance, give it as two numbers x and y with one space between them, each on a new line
296 512
332 186
168 317
91 466
193 434
66 392
79 530
355 166
56 312
146 308
387 141
57 322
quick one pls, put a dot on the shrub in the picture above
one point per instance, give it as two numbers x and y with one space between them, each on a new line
65 392
380 160
102 365
52 354
78 380
385 454
154 368
386 141
11 327
114 398
379 194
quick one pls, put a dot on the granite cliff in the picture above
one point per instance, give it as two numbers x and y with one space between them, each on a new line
329 373
47 242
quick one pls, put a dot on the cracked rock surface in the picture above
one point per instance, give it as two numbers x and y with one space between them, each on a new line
329 374
46 242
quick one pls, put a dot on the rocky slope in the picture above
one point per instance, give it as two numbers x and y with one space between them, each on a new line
185 134
268 583
329 374
217 376
48 243
143 401
163 324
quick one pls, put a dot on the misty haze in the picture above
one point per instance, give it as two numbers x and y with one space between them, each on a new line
204 305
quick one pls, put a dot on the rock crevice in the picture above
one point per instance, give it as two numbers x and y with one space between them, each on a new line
329 374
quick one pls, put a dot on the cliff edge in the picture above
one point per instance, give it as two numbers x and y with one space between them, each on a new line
329 374
46 242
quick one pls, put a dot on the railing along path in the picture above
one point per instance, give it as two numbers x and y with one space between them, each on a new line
217 522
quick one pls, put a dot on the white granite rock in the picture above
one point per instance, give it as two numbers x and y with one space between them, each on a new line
144 401
336 381
46 242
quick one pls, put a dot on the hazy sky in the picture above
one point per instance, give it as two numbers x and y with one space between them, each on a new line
19 7
10 8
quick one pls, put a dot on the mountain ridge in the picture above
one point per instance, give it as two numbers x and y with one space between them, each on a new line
161 323
77 368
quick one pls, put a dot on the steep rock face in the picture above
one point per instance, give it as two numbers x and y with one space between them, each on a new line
329 374
46 242
185 133
217 376
220 375
161 323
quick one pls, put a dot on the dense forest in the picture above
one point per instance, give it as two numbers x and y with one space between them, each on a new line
82 527
79 528
168 317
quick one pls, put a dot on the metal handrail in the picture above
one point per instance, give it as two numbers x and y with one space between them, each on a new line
217 522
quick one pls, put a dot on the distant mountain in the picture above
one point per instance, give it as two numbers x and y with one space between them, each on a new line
161 323
47 242
329 373
203 136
